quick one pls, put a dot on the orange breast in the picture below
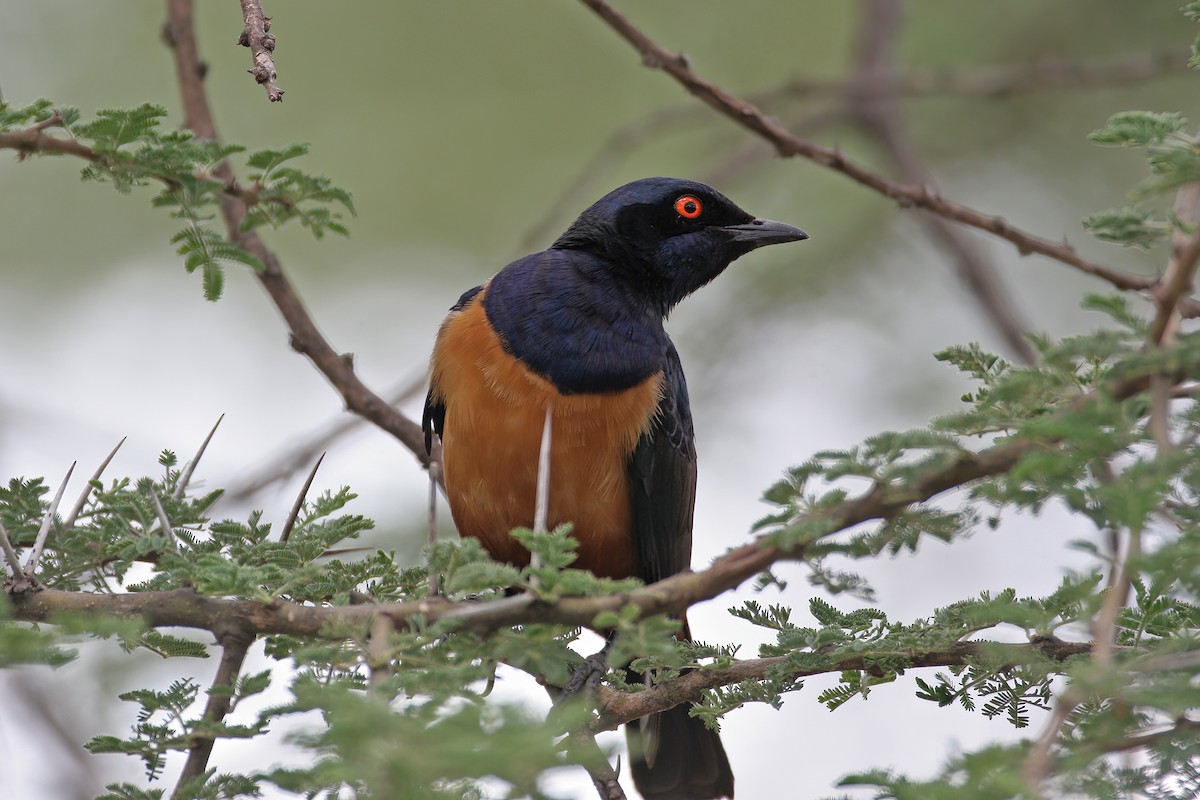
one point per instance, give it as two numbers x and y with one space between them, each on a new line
495 410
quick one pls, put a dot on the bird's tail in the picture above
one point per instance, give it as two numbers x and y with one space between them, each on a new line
690 763
674 756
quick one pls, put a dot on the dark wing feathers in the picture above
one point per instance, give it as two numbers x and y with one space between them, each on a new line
662 476
434 416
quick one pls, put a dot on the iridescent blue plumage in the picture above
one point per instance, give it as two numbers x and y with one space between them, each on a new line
565 317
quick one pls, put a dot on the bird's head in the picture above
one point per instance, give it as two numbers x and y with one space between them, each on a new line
668 237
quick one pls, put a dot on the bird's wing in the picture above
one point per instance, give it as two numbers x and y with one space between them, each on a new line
434 416
662 477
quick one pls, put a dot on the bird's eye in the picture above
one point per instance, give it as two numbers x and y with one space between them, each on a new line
688 206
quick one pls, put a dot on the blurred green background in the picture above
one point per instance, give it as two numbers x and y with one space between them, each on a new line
464 130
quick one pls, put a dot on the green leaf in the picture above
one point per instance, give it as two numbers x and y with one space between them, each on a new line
1138 128
1131 227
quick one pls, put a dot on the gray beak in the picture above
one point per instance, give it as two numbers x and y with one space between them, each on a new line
760 232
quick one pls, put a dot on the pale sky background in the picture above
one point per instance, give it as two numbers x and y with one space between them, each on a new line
457 127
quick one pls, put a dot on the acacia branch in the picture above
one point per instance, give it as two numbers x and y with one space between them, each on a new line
673 595
262 47
35 141
306 338
186 608
1181 269
789 145
234 645
617 707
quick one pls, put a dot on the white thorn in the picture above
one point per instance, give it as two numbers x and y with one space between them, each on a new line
35 555
69 524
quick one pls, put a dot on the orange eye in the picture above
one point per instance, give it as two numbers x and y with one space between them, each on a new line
688 206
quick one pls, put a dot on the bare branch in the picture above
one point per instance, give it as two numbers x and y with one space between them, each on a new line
234 645
877 112
754 151
35 554
69 524
301 453
1004 80
994 81
788 145
604 776
34 139
1181 269
1039 761
305 337
292 517
262 47
1125 744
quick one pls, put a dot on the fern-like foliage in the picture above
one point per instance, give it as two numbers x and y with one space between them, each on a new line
129 148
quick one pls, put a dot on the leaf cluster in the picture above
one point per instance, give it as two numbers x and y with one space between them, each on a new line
1173 159
129 148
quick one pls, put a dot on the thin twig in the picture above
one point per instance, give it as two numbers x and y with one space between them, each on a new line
379 663
1181 269
618 145
61 748
234 646
991 81
739 160
1002 80
306 339
1159 421
296 458
1181 726
262 47
35 555
186 476
877 112
1039 761
1176 281
34 140
788 145
604 775
299 504
69 524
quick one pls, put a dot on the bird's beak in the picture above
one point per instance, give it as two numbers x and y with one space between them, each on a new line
760 232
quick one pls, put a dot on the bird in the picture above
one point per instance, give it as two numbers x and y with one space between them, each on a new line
576 334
